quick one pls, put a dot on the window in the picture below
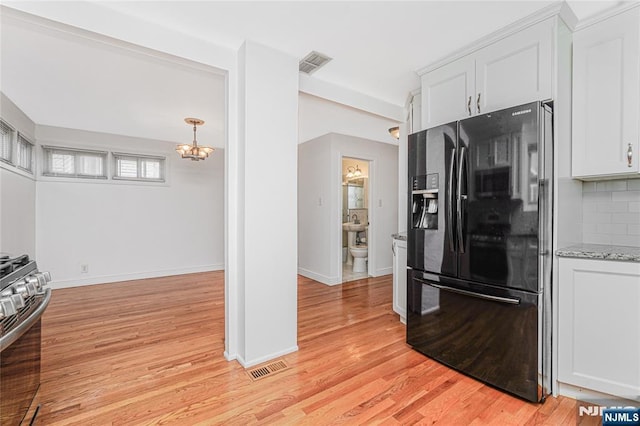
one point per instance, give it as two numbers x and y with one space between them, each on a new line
138 167
68 162
7 141
24 153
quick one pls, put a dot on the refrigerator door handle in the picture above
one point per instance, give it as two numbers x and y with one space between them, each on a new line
542 223
478 295
461 197
450 202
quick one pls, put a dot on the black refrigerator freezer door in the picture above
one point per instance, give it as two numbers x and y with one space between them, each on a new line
498 197
486 332
431 228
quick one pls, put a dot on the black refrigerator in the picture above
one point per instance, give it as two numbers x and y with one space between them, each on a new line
479 247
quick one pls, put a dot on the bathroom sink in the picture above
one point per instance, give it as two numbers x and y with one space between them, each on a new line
353 227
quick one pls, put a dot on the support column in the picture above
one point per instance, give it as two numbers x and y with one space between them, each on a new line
264 280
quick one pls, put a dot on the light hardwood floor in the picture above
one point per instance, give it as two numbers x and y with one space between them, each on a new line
150 352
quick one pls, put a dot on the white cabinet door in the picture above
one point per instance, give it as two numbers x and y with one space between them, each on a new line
400 279
447 93
599 325
516 69
606 97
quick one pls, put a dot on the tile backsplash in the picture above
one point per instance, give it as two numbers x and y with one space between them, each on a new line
611 212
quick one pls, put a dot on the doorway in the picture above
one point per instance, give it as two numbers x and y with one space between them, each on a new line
355 218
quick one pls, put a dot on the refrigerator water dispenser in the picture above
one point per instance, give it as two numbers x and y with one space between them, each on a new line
424 210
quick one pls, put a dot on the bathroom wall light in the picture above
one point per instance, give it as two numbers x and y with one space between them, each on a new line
195 152
395 132
353 173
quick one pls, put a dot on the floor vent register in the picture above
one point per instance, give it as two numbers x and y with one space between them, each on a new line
266 370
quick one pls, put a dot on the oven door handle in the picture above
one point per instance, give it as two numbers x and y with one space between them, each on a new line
478 295
17 332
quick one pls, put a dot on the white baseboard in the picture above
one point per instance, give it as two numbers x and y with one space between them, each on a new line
260 360
384 271
336 280
103 279
319 277
584 394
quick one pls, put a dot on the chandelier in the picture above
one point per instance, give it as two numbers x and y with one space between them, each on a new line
195 152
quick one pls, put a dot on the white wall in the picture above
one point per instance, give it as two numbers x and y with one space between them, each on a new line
318 117
383 198
315 210
126 230
17 192
320 192
17 214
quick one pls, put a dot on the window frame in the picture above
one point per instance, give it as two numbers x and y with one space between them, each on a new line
21 139
48 150
11 131
139 158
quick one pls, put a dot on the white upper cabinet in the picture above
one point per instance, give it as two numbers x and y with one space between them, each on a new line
606 97
448 93
513 70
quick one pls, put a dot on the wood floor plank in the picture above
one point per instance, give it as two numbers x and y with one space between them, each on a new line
150 352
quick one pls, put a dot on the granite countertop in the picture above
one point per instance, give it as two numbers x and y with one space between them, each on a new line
402 236
601 251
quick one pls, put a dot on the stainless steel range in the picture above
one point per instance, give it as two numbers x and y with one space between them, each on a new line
23 299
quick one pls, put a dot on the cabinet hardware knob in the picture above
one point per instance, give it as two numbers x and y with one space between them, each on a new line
629 155
478 103
469 105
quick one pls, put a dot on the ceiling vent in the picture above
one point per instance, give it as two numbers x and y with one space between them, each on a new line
312 62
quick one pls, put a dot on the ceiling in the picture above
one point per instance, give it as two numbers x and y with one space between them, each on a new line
63 77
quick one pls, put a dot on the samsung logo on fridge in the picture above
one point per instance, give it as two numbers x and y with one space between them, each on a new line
524 111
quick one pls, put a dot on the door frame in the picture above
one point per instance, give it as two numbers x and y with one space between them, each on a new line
336 232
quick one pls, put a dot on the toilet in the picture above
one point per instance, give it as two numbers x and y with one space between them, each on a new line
359 253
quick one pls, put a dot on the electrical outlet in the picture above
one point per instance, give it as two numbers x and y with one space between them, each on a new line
84 269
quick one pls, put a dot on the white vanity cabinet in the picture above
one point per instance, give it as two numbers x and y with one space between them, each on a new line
606 97
599 325
400 278
513 70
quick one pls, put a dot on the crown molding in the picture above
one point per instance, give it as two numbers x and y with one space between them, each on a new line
616 10
60 29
